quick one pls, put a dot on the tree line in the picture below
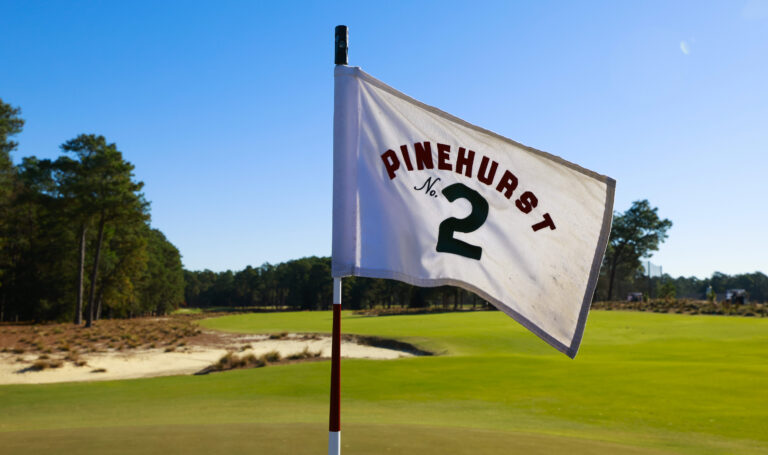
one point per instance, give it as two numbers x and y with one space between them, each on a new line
305 284
75 236
712 288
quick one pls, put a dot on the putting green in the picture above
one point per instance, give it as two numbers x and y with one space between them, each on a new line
643 383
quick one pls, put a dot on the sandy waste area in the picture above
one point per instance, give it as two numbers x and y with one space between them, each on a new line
111 365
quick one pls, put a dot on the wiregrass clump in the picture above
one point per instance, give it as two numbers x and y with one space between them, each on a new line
74 357
272 356
231 361
42 364
305 354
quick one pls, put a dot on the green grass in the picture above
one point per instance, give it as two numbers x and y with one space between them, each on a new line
187 311
642 383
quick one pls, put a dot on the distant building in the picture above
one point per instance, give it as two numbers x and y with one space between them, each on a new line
739 296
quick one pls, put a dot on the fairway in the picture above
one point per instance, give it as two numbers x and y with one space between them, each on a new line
643 383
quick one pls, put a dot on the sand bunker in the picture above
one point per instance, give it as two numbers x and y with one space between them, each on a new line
16 369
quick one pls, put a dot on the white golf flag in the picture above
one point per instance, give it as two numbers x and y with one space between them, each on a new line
424 197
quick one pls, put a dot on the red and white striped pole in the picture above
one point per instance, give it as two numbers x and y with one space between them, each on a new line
334 422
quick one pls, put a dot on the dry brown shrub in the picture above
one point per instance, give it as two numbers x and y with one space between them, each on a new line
72 356
39 365
305 354
231 361
272 356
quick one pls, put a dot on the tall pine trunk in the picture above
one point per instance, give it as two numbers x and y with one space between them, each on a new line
80 273
612 276
99 301
95 273
456 299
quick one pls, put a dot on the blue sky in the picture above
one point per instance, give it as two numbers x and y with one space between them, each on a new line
225 108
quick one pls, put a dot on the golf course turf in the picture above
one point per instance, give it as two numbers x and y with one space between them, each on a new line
642 383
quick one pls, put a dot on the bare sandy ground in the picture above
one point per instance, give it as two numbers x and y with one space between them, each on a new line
111 365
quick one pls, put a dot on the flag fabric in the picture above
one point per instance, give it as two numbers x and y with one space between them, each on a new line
426 198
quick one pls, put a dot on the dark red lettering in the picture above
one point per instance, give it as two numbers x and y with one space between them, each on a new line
546 223
481 175
527 202
507 184
464 162
423 155
406 157
390 162
443 156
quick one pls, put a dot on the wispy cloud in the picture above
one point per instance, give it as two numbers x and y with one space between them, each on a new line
685 47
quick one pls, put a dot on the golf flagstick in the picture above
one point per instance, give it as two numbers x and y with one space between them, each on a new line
334 423
334 427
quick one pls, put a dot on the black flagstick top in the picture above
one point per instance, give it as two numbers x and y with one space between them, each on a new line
342 44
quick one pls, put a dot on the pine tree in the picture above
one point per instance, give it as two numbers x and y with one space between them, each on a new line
10 124
103 184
